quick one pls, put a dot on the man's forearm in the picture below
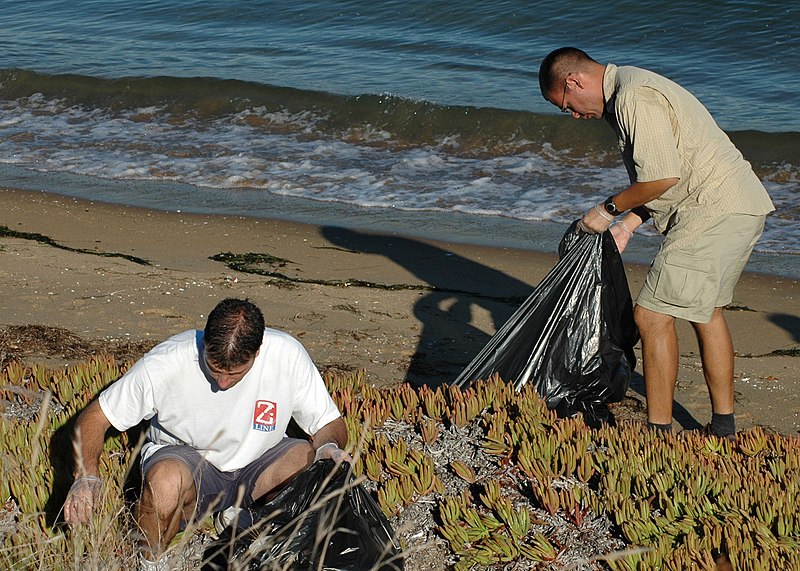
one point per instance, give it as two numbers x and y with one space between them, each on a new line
635 218
598 218
640 193
335 432
90 433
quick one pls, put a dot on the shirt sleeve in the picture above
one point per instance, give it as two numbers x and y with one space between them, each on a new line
313 405
130 399
646 127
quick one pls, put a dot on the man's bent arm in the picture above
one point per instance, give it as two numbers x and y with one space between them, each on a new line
640 193
596 220
90 433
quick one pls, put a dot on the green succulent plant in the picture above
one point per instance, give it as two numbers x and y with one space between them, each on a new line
677 501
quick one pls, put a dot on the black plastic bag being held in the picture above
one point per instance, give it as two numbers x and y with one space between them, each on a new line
319 521
573 337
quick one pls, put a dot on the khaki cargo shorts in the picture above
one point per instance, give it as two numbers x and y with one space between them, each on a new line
688 283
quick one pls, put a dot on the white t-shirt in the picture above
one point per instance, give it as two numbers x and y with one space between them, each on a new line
230 428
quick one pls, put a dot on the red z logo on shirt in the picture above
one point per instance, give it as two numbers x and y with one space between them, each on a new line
265 416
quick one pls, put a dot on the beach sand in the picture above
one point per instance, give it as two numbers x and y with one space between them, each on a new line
415 310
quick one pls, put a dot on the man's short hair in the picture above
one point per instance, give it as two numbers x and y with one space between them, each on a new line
558 64
233 334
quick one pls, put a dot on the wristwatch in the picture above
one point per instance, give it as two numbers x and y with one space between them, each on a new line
610 207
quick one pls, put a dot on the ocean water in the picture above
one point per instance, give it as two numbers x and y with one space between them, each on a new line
422 118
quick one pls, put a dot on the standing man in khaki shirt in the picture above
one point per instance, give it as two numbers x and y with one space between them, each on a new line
702 196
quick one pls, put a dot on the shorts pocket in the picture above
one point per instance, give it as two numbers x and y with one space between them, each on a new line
682 279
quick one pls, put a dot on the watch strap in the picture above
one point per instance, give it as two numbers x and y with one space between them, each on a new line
611 207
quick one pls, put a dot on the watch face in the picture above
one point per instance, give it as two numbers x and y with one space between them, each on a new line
610 206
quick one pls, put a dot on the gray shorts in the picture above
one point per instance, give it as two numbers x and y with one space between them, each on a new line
217 490
689 282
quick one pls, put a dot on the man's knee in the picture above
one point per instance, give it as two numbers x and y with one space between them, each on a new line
168 485
649 321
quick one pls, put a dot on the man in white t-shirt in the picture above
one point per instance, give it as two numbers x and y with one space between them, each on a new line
219 402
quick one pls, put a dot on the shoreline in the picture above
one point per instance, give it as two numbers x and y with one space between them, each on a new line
426 306
450 227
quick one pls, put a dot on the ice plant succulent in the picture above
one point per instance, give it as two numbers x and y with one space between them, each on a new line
682 499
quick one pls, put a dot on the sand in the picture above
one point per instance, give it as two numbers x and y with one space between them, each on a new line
414 310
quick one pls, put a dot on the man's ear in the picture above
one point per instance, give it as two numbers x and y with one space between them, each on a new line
576 81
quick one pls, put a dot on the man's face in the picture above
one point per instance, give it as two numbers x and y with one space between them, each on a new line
577 98
226 378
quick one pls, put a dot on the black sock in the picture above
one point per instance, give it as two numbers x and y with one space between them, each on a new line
723 424
659 427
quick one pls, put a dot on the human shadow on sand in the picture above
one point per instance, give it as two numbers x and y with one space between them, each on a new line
787 322
458 287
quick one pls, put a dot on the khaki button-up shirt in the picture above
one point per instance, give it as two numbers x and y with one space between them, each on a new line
663 132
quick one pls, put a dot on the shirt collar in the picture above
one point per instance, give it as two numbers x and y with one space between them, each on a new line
610 87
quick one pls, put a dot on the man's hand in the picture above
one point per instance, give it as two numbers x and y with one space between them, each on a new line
622 235
329 440
596 220
331 451
81 499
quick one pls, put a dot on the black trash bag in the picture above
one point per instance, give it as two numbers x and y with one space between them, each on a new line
319 521
573 337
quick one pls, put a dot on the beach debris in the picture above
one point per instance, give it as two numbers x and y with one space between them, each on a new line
6 232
